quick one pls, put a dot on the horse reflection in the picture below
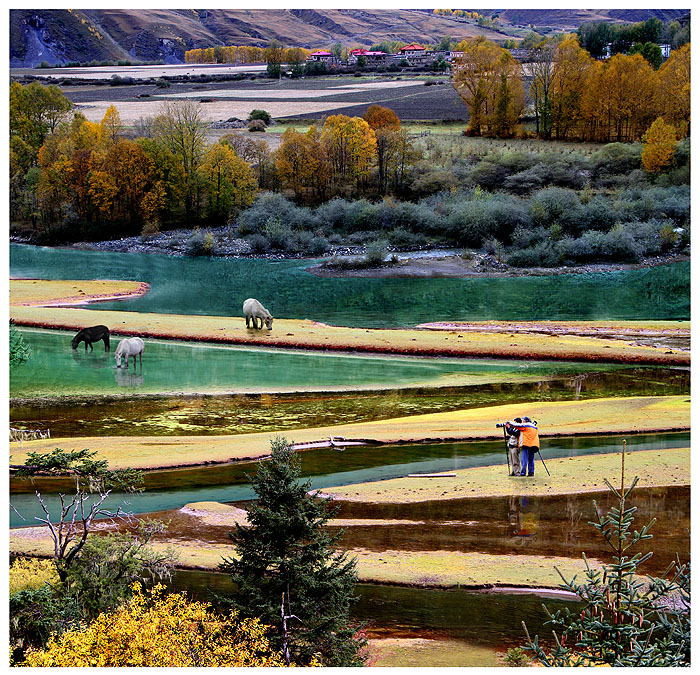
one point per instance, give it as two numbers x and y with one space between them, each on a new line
91 359
125 378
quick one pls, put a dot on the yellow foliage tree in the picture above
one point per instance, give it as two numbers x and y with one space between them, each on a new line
490 82
659 146
158 631
674 89
350 145
112 124
229 180
301 163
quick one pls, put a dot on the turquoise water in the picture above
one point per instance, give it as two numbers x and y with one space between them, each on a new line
328 468
174 367
219 286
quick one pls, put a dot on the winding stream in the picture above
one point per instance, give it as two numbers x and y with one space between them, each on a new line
326 468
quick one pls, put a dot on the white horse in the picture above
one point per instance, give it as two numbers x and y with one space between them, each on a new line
129 347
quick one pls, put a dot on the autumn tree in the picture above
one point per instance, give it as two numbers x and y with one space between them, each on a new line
228 181
542 70
351 148
159 630
112 124
287 569
395 152
673 85
572 71
301 163
180 127
36 111
479 77
659 145
619 104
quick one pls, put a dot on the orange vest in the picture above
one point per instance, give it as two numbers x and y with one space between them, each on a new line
529 436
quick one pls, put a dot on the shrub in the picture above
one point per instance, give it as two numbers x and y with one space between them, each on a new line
36 615
279 234
195 244
260 115
162 83
31 573
539 255
524 237
375 253
516 657
148 631
318 246
556 205
617 159
258 243
150 228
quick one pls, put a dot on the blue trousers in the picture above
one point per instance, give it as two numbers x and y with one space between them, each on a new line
527 460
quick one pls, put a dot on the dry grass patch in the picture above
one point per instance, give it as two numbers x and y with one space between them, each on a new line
39 292
306 334
569 475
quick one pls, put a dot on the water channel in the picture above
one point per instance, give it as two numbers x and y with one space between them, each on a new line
217 286
185 368
444 616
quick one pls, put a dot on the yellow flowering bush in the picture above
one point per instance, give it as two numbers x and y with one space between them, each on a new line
159 630
31 573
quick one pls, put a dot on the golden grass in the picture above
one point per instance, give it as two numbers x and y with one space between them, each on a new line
39 292
429 653
569 475
609 415
304 334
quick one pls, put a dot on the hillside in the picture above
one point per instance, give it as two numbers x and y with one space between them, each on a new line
59 36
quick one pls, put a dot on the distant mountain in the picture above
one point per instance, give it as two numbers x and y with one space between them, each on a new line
58 36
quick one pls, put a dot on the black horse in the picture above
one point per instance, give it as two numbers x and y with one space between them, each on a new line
90 335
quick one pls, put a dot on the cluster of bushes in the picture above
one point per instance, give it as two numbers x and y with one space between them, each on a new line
522 172
552 226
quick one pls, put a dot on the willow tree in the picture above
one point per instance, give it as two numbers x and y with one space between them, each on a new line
489 81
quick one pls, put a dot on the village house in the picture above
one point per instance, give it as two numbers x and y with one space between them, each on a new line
414 54
322 56
371 58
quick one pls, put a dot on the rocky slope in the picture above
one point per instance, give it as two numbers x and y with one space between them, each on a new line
59 36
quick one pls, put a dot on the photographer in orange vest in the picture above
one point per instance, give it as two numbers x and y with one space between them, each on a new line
529 444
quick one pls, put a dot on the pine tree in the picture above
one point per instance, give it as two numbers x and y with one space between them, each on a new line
288 571
624 621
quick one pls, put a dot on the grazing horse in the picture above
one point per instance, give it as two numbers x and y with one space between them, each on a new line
90 335
129 347
254 310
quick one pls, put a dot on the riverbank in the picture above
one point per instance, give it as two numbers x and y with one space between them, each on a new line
471 265
562 418
207 523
